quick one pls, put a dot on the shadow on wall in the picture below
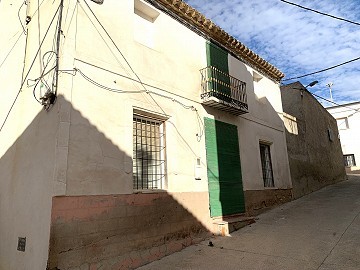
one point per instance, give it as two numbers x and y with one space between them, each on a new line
26 174
120 231
116 231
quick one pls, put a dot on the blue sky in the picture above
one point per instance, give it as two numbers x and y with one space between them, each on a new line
295 40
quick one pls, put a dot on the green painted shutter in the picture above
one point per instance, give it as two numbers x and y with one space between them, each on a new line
223 168
218 58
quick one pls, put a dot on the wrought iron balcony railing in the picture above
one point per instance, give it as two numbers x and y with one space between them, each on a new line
229 91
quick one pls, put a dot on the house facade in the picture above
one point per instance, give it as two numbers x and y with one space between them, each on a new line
348 122
313 144
138 128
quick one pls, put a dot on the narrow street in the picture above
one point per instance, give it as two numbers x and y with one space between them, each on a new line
320 231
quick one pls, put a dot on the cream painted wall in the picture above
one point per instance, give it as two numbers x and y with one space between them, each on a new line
171 64
28 139
264 122
83 145
349 136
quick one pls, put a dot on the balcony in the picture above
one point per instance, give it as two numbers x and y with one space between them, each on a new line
223 92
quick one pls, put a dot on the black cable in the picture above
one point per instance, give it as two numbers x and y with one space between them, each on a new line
326 69
319 12
134 80
107 33
113 42
56 74
27 74
105 87
39 32
20 18
12 48
138 78
131 92
357 110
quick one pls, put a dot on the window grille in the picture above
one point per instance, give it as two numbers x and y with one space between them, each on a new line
349 160
148 153
266 165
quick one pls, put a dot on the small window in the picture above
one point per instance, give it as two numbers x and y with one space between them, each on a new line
349 160
266 165
145 11
148 153
342 123
144 20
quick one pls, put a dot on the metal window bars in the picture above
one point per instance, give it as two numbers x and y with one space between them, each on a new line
266 165
148 153
216 83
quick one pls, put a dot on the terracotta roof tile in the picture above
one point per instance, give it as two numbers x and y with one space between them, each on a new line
214 32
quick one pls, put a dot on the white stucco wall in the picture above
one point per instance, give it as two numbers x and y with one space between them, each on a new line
171 65
28 139
349 133
264 122
83 146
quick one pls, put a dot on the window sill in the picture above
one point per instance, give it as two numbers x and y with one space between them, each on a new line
271 188
142 191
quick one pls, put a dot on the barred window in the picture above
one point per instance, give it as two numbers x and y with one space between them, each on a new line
266 165
148 153
349 160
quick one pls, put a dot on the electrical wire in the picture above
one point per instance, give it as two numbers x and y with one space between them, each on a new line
131 92
323 70
105 87
319 12
12 48
134 80
28 72
39 32
357 110
24 31
112 40
43 74
138 78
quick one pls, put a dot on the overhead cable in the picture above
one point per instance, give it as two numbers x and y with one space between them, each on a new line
28 72
322 13
130 91
135 80
111 39
23 27
323 70
357 110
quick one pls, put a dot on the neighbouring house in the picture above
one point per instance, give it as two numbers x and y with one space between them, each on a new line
348 122
131 130
313 144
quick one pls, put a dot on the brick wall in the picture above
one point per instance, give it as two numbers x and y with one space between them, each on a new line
120 231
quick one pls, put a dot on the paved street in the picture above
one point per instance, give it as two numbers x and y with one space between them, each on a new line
319 231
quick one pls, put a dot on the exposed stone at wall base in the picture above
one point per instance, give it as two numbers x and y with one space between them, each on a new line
259 200
120 231
308 177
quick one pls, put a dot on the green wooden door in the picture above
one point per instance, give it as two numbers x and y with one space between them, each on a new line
218 58
223 168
